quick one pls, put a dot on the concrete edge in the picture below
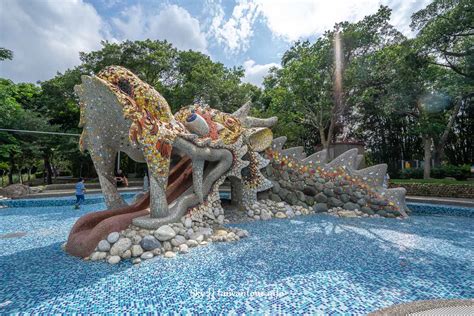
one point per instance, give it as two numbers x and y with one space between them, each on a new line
420 306
440 201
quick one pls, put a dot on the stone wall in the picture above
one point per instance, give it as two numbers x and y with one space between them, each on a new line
442 190
321 193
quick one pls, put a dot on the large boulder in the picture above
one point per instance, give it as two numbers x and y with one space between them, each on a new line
15 191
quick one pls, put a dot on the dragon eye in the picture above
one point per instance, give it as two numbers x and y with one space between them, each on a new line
229 121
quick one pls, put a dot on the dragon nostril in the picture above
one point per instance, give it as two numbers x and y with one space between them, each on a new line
125 86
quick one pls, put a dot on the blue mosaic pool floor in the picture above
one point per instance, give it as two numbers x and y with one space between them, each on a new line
313 264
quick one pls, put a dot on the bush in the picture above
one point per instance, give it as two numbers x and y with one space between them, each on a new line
458 172
412 173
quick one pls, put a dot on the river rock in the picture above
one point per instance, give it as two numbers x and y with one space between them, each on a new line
350 206
280 215
137 250
167 246
192 243
328 192
265 215
127 254
188 222
147 255
164 233
309 191
113 237
178 240
183 248
150 243
320 207
114 259
98 255
347 214
170 254
335 202
120 247
321 198
276 187
103 245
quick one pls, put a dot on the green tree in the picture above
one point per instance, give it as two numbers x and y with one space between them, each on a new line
5 54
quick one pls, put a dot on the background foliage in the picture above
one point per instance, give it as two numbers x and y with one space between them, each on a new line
407 99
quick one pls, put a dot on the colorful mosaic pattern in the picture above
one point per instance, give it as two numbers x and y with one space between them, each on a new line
153 125
222 126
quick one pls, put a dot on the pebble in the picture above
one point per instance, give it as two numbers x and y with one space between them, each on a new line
183 248
170 254
280 215
120 246
178 240
136 250
188 223
147 255
165 233
149 243
96 256
114 259
192 243
103 245
113 237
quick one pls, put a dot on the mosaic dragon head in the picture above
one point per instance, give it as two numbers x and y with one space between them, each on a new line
120 112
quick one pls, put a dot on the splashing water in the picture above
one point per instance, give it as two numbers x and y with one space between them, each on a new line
338 81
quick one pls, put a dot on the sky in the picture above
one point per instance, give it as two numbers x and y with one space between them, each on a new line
46 36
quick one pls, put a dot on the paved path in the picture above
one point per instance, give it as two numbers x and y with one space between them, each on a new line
441 200
418 199
71 192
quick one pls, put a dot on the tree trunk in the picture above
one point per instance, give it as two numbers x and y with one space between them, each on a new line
427 149
439 148
12 168
324 142
48 169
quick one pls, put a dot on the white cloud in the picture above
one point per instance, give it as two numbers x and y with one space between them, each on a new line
401 14
302 18
295 19
46 36
236 32
172 23
254 73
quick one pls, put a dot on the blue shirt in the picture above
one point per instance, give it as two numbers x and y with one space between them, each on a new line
80 187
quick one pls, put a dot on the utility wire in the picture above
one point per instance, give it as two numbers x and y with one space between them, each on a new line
37 132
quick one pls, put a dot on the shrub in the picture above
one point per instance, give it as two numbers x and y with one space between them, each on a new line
458 172
412 173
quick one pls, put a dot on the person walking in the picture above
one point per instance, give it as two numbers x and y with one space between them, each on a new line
80 190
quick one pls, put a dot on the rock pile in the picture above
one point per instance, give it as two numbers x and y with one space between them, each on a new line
267 209
140 244
321 194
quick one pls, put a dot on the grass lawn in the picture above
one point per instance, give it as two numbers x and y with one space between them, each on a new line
431 181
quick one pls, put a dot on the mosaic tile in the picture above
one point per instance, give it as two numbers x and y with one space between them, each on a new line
314 265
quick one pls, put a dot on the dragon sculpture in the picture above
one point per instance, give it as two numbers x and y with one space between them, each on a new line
120 112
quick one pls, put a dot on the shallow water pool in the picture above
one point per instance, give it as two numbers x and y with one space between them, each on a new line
310 264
